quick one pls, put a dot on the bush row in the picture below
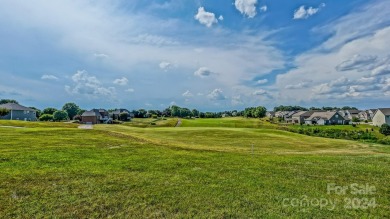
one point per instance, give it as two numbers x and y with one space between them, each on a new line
340 134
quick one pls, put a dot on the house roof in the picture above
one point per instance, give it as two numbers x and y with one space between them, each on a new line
90 113
299 113
323 115
15 106
354 111
385 111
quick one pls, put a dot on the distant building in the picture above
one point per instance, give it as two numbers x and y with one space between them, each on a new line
327 118
270 114
382 116
115 114
299 117
90 117
19 112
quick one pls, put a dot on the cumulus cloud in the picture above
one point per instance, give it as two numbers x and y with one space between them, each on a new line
297 86
220 18
84 84
49 77
203 72
100 55
304 13
205 18
262 81
187 94
216 94
165 65
264 8
130 90
237 100
260 92
121 81
246 7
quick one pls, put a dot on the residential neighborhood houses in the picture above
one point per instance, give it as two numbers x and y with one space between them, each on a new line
376 117
18 112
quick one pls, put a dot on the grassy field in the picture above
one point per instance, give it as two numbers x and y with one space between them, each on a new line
205 168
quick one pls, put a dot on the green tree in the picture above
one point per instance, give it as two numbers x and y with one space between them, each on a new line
124 116
260 112
385 129
355 119
4 101
4 111
60 115
71 108
38 112
49 110
175 111
46 117
195 112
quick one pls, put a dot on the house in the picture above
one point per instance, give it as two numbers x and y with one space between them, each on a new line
270 114
115 114
372 113
104 115
299 117
287 116
90 117
382 116
327 118
19 112
350 114
365 115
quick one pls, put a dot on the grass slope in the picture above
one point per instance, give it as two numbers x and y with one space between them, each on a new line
122 171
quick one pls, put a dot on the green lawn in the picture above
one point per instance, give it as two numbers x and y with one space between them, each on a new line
123 171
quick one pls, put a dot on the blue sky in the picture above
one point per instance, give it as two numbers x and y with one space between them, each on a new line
206 54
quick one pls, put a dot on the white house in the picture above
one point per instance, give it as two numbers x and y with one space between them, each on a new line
381 117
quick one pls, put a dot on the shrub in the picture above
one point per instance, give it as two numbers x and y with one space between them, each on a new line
153 123
4 111
353 125
46 117
385 140
124 116
60 115
385 129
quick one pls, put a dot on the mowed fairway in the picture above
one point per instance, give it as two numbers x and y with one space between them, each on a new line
205 168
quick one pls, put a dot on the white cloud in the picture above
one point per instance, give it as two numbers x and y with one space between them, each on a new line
264 8
84 84
203 72
359 62
187 94
297 86
304 13
220 18
236 100
121 81
205 18
130 90
216 94
260 92
262 81
363 50
165 65
246 7
100 55
49 77
381 70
